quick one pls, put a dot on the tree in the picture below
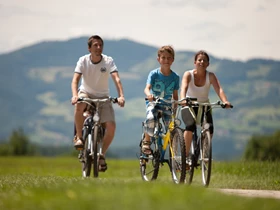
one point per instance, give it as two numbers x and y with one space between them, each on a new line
263 148
19 143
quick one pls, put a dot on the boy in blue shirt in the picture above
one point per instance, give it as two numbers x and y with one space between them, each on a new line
162 82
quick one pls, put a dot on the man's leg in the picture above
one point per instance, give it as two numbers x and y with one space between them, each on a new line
109 136
79 121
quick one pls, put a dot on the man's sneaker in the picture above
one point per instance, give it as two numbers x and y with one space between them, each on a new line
78 143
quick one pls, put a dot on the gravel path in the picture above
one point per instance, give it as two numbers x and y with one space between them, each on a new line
253 193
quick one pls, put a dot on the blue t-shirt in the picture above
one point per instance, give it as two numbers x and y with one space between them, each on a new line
163 86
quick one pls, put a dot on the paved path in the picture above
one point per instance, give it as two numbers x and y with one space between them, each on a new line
253 193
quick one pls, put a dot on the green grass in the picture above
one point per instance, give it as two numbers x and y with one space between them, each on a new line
56 183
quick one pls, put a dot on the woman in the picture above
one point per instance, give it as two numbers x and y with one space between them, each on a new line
196 83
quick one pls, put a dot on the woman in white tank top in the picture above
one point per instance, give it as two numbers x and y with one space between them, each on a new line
196 84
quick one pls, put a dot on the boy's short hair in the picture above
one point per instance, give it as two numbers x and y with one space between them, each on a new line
166 48
92 38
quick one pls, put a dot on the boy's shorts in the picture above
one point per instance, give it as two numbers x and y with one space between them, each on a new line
106 111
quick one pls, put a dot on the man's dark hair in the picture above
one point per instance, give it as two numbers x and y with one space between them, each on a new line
92 38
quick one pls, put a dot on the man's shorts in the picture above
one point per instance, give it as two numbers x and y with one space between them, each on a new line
106 111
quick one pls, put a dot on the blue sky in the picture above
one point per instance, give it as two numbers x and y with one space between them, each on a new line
234 29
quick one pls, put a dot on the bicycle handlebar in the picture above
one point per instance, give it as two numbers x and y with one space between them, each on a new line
89 100
193 102
158 99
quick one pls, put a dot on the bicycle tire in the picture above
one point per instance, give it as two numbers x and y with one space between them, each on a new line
190 168
149 164
87 159
206 157
95 151
177 156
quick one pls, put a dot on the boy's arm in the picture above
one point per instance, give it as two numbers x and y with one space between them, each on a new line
147 92
175 97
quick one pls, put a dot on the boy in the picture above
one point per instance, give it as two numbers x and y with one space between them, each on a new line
164 83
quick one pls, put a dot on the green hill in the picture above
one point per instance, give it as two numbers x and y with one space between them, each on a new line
35 94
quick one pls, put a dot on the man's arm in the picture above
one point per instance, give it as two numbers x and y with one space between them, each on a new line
74 87
119 87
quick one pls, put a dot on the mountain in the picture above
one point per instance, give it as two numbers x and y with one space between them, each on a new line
35 94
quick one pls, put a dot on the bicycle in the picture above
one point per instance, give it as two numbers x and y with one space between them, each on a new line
93 133
201 147
172 137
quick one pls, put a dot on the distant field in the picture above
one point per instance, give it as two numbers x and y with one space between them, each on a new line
56 183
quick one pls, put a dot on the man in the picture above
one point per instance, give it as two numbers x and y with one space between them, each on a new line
95 69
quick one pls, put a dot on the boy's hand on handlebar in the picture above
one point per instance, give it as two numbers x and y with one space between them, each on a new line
150 97
121 101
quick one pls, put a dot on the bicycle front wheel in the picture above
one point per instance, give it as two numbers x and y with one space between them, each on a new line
149 164
177 156
191 160
96 138
86 159
206 157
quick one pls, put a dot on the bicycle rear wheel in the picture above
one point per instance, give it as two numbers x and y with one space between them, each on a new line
206 157
149 164
177 156
87 159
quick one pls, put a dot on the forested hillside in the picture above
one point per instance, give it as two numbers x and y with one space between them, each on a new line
35 94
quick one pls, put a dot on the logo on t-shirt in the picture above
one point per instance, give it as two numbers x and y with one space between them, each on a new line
103 69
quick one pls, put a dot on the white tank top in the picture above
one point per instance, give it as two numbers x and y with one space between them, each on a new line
201 93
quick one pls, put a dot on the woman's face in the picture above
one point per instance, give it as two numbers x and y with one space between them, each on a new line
201 61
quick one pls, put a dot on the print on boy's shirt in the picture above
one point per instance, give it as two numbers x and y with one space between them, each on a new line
163 90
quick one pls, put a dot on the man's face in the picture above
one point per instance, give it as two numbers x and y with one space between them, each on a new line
96 47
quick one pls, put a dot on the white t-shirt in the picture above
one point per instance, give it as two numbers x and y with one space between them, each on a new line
201 93
95 77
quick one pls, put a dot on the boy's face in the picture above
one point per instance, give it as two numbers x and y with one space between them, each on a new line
165 59
96 47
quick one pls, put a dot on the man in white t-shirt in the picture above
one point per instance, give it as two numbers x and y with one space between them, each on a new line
95 69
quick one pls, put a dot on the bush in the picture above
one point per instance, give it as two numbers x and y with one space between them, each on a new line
263 148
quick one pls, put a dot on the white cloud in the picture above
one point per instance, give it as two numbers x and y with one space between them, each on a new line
234 29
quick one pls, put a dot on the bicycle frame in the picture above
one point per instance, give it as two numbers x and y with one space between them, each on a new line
201 147
161 139
93 133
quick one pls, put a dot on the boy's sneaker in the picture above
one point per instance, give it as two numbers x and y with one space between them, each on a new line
188 163
78 143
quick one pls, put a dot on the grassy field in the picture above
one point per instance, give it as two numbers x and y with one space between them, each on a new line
56 183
